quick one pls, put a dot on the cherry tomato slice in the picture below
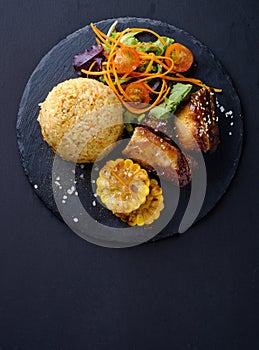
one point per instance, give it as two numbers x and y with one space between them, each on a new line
138 93
181 55
126 60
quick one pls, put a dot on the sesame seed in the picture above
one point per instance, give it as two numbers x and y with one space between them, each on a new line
93 181
222 109
57 178
35 186
76 193
230 133
94 203
75 219
57 183
63 201
95 195
81 176
73 171
82 166
231 124
64 197
60 187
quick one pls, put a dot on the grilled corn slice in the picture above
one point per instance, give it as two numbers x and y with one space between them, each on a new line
122 185
148 211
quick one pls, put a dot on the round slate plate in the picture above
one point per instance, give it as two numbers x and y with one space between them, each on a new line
55 67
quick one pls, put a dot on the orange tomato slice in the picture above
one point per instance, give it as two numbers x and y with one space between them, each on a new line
181 55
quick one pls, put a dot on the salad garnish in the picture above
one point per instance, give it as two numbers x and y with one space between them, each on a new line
130 66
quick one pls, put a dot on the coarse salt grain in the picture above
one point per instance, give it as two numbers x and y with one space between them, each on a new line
64 197
63 201
94 203
75 219
57 178
221 109
35 186
230 133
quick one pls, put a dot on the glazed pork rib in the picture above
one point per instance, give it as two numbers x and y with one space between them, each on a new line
196 122
154 153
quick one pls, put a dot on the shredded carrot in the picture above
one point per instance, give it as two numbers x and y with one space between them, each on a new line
102 72
141 30
92 65
119 179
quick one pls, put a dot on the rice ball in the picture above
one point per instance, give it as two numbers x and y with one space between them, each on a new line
80 118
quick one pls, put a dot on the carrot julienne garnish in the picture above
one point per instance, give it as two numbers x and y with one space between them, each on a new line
117 177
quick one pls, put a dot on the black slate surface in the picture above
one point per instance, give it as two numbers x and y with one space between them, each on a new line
197 291
55 67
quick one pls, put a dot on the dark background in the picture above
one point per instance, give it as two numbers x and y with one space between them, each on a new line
197 291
